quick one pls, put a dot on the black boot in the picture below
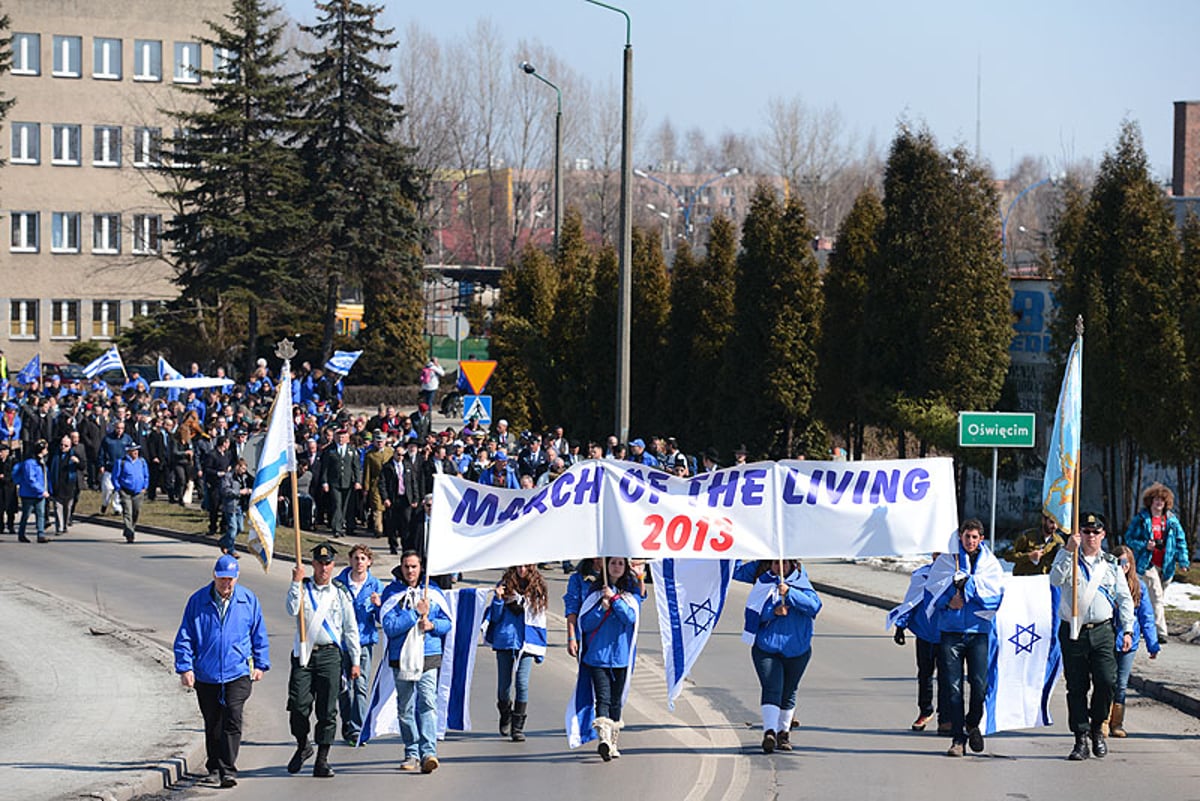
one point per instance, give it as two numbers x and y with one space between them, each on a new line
1080 751
518 721
506 709
304 750
1099 745
321 767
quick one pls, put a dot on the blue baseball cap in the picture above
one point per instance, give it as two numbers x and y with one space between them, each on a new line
227 567
638 442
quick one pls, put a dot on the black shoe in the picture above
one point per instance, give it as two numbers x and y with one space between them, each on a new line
975 739
769 742
321 769
519 715
505 708
1099 744
303 752
228 781
129 538
22 538
1080 751
783 740
42 539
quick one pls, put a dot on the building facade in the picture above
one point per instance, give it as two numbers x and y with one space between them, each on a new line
93 82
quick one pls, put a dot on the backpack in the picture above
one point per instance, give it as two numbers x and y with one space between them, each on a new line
426 375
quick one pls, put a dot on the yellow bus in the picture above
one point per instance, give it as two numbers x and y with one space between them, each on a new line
349 319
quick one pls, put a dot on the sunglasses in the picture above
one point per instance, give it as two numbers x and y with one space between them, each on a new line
1093 532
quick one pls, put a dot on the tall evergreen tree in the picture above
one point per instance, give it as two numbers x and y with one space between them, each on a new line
571 404
713 327
363 186
842 356
651 307
679 409
519 344
602 345
242 222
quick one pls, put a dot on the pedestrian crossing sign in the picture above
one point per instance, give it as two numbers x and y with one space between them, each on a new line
478 407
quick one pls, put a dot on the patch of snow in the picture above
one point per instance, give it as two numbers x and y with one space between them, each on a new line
1184 597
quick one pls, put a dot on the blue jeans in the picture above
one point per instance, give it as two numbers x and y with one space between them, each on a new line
958 648
38 507
779 676
504 675
416 702
233 524
1124 668
353 697
608 685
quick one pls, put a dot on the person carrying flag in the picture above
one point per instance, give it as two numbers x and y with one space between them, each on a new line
912 614
517 633
1099 592
608 620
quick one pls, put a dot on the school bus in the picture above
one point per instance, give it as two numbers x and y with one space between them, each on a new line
349 319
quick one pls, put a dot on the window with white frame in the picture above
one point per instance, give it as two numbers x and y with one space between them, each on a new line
24 232
147 144
187 62
146 228
106 150
26 54
224 65
64 145
106 233
67 56
64 231
64 319
106 59
106 318
23 319
26 143
145 308
147 60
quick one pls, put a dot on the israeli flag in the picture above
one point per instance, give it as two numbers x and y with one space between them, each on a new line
165 371
1024 660
581 706
31 372
342 361
109 360
689 596
275 461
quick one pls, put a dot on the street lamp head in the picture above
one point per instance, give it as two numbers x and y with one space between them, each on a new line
640 173
732 171
528 68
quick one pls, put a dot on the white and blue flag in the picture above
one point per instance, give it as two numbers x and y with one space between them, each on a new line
109 360
165 371
1024 659
276 460
342 360
689 596
31 372
581 706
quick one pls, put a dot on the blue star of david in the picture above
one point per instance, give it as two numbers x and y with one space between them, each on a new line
701 618
1025 647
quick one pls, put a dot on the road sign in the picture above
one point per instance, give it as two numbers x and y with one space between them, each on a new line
477 406
460 327
477 372
996 429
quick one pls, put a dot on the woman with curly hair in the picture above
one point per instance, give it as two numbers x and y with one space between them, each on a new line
1156 538
517 633
608 620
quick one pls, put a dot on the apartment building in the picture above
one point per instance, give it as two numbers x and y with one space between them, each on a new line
93 81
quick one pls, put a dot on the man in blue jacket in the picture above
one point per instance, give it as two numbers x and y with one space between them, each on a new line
220 648
131 477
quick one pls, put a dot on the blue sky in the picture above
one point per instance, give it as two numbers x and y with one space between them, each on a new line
1058 76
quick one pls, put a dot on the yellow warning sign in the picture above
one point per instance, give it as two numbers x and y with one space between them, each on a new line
478 373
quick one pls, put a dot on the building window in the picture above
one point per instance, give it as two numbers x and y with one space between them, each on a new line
106 59
145 308
147 144
224 65
107 147
106 318
64 145
146 228
26 54
147 59
64 232
67 59
64 319
187 62
24 232
106 233
23 319
26 143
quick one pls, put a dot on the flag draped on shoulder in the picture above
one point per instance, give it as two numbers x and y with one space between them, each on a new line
31 372
581 706
689 596
276 461
987 572
1024 656
342 361
1058 487
109 360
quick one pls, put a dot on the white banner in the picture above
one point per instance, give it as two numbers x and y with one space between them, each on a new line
810 510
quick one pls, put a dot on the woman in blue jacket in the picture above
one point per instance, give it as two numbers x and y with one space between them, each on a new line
366 590
33 487
608 620
1143 627
779 628
517 633
1159 546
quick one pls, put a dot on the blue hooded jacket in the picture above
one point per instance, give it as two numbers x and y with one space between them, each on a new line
220 651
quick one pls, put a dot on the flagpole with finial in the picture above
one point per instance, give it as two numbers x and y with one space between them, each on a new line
286 350
1075 488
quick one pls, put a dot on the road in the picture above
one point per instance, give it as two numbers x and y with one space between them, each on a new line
855 705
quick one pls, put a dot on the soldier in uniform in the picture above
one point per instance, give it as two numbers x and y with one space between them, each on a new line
1090 661
330 627
1034 551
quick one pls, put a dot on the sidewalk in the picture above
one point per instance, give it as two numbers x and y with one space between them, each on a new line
1173 678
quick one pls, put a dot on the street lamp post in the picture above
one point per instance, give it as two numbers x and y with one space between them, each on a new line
1050 179
688 206
558 187
625 278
